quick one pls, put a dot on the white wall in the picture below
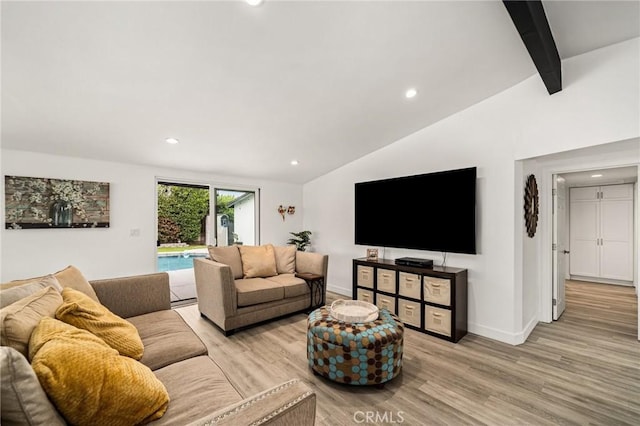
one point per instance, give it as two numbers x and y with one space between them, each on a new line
531 258
112 252
598 105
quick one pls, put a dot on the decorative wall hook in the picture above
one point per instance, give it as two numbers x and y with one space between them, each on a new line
291 210
281 210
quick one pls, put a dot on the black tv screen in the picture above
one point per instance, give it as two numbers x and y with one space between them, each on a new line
434 211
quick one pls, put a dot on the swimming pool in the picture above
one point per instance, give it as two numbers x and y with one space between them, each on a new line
173 262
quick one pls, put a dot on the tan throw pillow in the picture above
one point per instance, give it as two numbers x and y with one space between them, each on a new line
13 294
80 311
258 261
89 382
72 277
20 318
24 402
285 259
228 256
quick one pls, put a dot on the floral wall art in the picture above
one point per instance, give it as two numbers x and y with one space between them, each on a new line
55 203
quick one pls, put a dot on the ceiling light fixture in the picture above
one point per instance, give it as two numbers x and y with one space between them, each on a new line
294 162
596 176
254 2
410 93
172 141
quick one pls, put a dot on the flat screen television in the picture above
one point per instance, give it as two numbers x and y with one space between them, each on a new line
433 211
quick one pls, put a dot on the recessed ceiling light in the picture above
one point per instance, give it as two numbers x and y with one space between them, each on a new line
172 141
410 93
596 175
254 2
294 162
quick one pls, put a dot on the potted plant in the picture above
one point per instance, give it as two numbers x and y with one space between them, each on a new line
300 239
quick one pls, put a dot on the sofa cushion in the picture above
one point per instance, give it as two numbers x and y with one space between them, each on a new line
196 386
229 256
23 399
167 338
258 261
292 285
285 259
20 318
13 294
81 311
252 291
89 382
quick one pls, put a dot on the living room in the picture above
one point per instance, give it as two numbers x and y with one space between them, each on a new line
592 123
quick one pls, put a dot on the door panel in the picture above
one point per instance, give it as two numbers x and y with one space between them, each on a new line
559 233
584 258
616 262
584 224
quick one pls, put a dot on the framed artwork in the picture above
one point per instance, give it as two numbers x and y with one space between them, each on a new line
55 203
372 254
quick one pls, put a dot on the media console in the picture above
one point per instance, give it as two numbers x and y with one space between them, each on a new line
431 300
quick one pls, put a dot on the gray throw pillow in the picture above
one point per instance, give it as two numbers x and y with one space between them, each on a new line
13 294
24 402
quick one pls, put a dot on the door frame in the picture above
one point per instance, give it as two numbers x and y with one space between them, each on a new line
546 218
213 185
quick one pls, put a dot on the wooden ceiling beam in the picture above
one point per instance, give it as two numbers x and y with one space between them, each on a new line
533 27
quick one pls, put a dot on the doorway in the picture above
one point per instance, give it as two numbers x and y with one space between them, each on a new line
593 228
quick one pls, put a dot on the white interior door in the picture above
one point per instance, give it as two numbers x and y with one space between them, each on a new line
616 243
560 253
584 226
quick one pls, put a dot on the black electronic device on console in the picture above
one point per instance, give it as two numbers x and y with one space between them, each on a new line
414 261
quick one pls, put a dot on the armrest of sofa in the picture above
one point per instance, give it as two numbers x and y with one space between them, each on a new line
135 295
312 263
291 403
216 289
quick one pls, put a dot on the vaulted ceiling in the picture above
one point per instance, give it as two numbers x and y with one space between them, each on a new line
248 89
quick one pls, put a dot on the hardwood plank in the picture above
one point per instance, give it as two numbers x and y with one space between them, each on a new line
581 369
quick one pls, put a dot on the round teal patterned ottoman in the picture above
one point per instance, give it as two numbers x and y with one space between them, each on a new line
355 353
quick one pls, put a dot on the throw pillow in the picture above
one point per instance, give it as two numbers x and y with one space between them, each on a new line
18 320
24 402
81 311
72 277
89 382
13 294
258 261
68 277
228 256
285 259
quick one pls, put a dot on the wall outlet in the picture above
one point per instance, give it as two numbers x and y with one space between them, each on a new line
134 232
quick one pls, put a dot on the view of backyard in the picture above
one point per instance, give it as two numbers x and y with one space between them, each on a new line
185 228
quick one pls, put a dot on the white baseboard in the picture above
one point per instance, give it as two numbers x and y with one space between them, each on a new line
510 338
344 291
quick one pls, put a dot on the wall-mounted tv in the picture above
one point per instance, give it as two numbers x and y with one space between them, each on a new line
433 211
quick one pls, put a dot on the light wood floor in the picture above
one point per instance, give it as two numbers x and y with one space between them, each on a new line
583 369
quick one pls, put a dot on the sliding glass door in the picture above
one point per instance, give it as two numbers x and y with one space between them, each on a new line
186 227
235 217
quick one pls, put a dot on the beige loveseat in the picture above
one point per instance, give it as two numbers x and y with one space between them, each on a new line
198 391
244 285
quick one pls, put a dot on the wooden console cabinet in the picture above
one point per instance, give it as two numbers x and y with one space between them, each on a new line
433 301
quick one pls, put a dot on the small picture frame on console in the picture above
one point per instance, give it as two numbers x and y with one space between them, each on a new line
372 254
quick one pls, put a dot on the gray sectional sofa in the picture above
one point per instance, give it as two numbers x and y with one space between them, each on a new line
198 389
238 286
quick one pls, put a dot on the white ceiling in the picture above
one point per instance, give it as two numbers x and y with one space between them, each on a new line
610 176
246 90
